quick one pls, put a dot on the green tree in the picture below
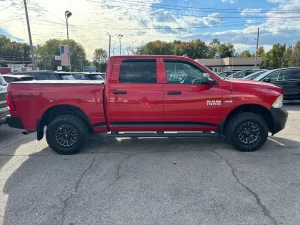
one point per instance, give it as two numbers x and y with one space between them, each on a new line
158 48
287 55
260 51
13 52
45 55
223 50
213 48
275 57
245 53
100 59
295 57
195 49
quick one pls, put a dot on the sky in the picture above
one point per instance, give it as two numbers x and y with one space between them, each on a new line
141 21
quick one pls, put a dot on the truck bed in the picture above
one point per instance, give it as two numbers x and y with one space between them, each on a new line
34 98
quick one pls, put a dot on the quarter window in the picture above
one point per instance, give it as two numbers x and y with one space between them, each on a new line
138 71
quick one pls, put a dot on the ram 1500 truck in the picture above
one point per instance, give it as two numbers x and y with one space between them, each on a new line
148 96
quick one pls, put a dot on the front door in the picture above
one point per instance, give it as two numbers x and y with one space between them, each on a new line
189 104
135 96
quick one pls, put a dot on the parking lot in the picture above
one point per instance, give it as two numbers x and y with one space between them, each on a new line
151 181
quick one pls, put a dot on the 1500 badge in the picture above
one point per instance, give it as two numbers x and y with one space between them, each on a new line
213 102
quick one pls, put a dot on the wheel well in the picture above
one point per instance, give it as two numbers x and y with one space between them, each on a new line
60 110
253 108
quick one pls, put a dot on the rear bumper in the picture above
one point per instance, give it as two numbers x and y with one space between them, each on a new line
280 117
14 122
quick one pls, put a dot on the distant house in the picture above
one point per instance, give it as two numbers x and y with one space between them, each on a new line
230 64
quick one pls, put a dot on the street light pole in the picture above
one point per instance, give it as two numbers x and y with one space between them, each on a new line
120 37
257 42
67 15
30 39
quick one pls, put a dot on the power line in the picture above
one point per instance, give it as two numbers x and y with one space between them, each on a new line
179 7
45 10
13 4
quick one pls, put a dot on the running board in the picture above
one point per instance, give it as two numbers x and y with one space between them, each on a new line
162 134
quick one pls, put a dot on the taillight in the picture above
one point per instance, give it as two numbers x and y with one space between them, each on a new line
10 102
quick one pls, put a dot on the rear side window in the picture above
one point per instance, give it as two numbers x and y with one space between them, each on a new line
138 71
295 74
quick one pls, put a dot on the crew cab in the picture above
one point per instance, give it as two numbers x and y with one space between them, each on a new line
148 96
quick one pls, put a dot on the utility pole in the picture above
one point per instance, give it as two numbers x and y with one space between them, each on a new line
30 39
109 44
120 37
67 15
257 41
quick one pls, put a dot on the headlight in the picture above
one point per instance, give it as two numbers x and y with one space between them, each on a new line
278 102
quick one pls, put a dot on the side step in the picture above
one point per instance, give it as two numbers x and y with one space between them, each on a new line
163 134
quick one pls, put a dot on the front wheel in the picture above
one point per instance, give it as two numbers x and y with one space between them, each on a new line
247 132
66 134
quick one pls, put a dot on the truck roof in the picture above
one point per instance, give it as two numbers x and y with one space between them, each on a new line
152 56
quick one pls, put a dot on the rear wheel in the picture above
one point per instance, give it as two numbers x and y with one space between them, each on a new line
66 134
247 132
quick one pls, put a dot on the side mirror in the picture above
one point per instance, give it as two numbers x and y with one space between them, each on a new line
208 81
268 80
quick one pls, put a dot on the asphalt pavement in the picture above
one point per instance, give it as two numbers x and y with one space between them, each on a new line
151 181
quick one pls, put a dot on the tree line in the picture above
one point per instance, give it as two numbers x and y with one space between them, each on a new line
280 55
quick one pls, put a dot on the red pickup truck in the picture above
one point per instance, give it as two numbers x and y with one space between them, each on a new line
148 96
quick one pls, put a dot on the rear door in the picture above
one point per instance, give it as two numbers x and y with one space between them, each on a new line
188 104
295 84
135 96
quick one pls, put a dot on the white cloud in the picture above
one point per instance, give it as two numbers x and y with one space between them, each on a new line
251 12
213 19
93 19
231 1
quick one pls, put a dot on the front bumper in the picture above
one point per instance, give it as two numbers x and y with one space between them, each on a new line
280 117
14 122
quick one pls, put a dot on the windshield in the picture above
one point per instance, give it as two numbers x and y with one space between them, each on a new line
67 77
239 74
263 75
254 75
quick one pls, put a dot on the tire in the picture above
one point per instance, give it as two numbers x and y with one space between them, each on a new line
66 134
247 132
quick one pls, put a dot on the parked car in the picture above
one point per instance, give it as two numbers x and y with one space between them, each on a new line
13 78
252 76
148 96
287 78
3 104
244 73
88 76
47 75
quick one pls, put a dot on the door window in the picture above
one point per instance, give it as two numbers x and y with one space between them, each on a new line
143 71
295 74
273 76
183 73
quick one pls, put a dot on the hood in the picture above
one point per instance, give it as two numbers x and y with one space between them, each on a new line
252 82
259 86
